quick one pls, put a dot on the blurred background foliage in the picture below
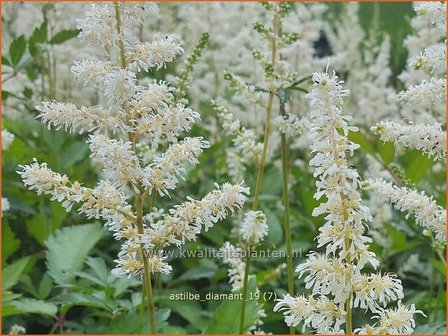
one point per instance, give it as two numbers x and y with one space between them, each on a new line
56 265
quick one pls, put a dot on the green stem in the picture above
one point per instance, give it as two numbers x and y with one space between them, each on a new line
245 280
261 164
120 40
348 308
287 228
267 131
147 286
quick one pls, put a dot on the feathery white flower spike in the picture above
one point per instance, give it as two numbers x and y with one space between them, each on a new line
426 211
232 256
140 117
335 277
425 94
430 139
162 50
392 321
289 124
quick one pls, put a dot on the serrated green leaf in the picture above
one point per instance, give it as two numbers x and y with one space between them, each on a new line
64 35
99 267
17 49
11 274
10 243
32 306
79 299
68 248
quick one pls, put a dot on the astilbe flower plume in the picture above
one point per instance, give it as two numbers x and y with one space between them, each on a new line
335 277
425 100
133 117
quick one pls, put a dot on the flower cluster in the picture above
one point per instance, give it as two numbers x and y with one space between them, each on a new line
290 124
254 227
398 320
335 277
426 211
424 76
232 256
430 139
425 100
246 148
135 117
366 55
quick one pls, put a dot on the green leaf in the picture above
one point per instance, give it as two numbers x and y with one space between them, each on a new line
197 273
58 214
398 238
40 226
9 297
79 299
98 266
270 184
68 248
190 311
8 310
39 36
10 243
275 233
74 153
416 165
359 139
17 49
226 319
32 306
5 61
45 287
64 35
174 330
387 151
132 323
12 273
217 234
439 265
